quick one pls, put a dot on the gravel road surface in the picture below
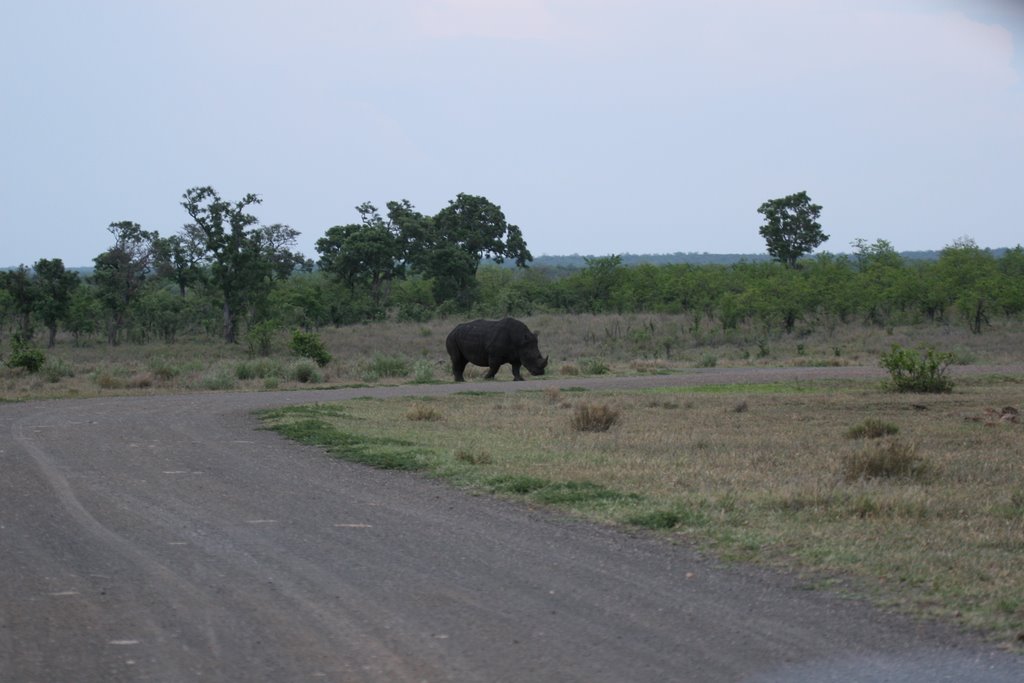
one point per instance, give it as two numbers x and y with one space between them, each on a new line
168 538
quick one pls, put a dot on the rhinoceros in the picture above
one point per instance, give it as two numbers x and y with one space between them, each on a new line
491 344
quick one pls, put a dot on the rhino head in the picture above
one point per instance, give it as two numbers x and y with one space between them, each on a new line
529 355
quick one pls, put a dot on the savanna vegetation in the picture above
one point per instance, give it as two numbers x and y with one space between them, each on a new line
911 489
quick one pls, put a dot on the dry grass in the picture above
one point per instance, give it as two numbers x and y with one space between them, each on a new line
577 345
936 526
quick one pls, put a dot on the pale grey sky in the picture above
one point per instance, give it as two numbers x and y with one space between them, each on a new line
599 126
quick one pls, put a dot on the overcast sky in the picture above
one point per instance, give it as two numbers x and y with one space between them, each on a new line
599 126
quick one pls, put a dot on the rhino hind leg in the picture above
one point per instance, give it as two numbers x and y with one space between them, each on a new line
492 371
458 368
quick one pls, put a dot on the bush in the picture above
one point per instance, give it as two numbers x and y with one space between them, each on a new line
305 373
923 372
309 345
423 372
25 355
588 417
422 413
56 369
260 338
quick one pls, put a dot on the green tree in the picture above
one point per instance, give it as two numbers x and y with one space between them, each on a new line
180 258
22 296
449 247
121 271
791 227
242 255
367 254
970 277
55 285
84 312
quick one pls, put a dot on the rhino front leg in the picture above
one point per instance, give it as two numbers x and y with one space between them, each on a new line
515 372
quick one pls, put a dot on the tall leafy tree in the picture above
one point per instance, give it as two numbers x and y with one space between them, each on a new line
240 253
22 296
368 253
121 271
55 285
791 227
449 247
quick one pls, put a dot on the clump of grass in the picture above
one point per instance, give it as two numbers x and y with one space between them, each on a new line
386 366
553 395
741 407
514 483
107 380
593 417
569 370
667 518
163 369
55 369
893 459
221 380
257 369
872 428
471 457
594 366
423 372
424 413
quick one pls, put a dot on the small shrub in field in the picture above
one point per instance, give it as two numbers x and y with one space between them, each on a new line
590 417
594 366
423 372
423 413
923 372
569 369
553 395
707 360
305 373
56 369
163 370
106 380
871 428
25 355
309 345
887 460
260 338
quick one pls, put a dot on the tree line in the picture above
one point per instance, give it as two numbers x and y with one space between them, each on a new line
224 274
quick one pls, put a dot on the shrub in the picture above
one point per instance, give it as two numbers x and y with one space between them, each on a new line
423 372
260 338
25 355
889 460
163 370
707 360
588 417
871 428
305 373
309 345
923 372
56 369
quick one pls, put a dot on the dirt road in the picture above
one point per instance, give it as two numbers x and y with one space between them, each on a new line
169 539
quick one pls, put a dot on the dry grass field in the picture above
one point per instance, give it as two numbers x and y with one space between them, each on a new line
394 352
